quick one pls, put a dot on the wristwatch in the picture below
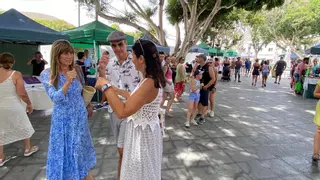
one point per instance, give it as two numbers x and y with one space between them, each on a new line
105 87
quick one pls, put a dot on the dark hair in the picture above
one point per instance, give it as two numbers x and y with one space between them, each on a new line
80 55
160 52
306 59
216 59
152 61
38 52
266 62
165 58
6 60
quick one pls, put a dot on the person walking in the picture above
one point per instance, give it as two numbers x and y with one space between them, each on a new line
143 139
247 64
15 124
238 65
316 120
169 89
121 72
279 67
265 73
255 72
71 154
208 79
180 79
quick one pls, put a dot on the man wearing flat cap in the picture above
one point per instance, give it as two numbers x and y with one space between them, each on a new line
122 74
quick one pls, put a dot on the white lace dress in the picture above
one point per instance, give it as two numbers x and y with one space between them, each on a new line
143 144
14 122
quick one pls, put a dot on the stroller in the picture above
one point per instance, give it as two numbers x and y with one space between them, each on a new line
226 74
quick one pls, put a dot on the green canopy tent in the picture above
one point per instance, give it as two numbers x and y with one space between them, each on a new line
92 35
215 52
230 53
204 46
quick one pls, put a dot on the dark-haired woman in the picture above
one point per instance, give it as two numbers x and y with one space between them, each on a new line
143 140
14 123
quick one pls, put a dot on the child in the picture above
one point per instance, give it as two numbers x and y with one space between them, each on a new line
265 73
194 98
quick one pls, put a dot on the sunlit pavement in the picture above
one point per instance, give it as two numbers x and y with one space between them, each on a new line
256 134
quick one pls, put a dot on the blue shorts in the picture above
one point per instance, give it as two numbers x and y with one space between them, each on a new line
194 97
296 77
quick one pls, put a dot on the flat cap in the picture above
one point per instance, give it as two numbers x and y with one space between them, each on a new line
204 57
116 36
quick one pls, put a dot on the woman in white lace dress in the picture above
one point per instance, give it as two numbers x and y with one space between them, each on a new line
143 140
14 122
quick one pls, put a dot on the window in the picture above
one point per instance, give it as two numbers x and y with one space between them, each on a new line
270 49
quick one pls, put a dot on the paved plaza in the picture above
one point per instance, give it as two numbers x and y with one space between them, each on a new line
256 134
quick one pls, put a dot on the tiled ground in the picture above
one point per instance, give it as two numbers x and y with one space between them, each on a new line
256 134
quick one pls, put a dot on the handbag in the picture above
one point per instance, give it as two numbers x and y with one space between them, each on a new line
298 87
87 91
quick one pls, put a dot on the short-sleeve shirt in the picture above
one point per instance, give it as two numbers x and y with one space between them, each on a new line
87 62
238 64
124 76
280 65
37 67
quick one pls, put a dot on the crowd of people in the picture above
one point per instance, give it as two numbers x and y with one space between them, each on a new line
136 85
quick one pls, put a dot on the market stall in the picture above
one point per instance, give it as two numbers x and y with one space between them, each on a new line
21 36
309 84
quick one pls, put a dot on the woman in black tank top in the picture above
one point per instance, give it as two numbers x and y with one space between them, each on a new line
255 72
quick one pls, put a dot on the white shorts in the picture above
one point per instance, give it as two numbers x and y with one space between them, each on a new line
169 88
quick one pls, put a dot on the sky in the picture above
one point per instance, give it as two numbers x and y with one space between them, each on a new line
68 10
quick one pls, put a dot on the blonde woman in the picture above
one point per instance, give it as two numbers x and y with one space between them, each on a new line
71 154
14 123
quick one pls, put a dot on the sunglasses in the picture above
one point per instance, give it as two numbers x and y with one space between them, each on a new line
138 41
120 44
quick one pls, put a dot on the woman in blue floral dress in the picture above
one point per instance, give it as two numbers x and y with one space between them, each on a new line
71 153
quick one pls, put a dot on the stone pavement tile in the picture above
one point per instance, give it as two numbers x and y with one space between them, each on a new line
108 170
172 162
23 172
178 173
111 151
298 177
241 155
209 144
308 169
191 159
180 135
243 142
169 147
41 175
198 133
256 170
4 170
186 145
261 153
279 167
215 157
314 176
202 173
229 144
230 171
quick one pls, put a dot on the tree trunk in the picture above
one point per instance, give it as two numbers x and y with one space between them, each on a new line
161 32
178 38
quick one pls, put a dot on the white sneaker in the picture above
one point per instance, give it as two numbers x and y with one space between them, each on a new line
194 122
187 124
211 114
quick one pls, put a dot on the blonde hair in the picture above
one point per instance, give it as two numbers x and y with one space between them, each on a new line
6 60
58 47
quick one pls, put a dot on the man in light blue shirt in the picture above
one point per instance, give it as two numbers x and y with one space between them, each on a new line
87 61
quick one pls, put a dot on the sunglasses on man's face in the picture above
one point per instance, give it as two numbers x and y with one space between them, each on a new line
120 44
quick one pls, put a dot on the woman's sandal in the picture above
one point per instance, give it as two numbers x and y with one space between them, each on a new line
31 151
5 160
315 157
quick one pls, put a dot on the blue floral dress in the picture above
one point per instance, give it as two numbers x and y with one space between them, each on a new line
71 153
